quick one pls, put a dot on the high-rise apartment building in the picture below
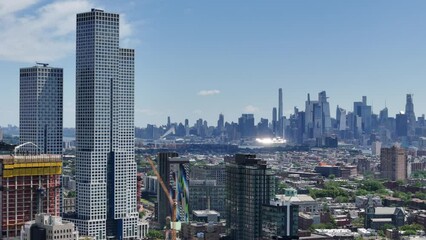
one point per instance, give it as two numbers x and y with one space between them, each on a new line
105 166
29 184
393 163
40 107
249 185
207 188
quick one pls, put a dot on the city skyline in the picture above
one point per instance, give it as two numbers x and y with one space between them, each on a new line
288 45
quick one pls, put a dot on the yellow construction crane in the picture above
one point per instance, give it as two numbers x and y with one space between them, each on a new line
173 202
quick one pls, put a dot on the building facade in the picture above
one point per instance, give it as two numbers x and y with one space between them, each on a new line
105 165
30 184
40 107
249 185
393 163
47 227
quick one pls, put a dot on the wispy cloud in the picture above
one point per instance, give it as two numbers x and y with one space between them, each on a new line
251 109
45 33
148 112
208 92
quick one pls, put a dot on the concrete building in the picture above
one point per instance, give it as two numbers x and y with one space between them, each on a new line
143 228
207 187
393 163
105 165
280 217
30 184
249 185
362 201
68 205
376 147
305 202
40 108
47 227
150 184
207 194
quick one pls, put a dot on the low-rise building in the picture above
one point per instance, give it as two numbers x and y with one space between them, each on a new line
46 226
278 220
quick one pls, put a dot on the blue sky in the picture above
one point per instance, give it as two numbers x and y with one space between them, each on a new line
196 59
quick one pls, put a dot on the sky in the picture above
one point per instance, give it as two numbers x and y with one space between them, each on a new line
197 59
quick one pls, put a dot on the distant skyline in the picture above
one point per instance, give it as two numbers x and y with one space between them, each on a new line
197 59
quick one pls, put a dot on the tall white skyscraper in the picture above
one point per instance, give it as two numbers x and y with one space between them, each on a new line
40 107
105 166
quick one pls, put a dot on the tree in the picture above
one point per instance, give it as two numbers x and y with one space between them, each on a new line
332 176
155 234
72 194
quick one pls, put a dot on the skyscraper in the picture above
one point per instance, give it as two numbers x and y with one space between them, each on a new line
393 163
401 126
221 122
341 119
105 166
249 185
362 114
40 107
280 127
411 117
317 120
246 126
274 121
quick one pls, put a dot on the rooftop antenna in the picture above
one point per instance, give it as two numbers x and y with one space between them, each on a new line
43 64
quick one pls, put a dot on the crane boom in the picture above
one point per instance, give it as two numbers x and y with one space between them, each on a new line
172 202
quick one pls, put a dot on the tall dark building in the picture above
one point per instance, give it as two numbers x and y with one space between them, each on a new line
221 122
411 117
249 185
246 126
401 125
274 121
174 173
393 163
164 209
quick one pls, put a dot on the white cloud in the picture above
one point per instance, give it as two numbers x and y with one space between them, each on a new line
251 109
147 112
10 6
208 92
46 33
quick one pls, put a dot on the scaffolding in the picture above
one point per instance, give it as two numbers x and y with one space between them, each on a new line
23 178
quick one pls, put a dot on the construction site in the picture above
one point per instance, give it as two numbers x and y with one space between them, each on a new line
30 184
